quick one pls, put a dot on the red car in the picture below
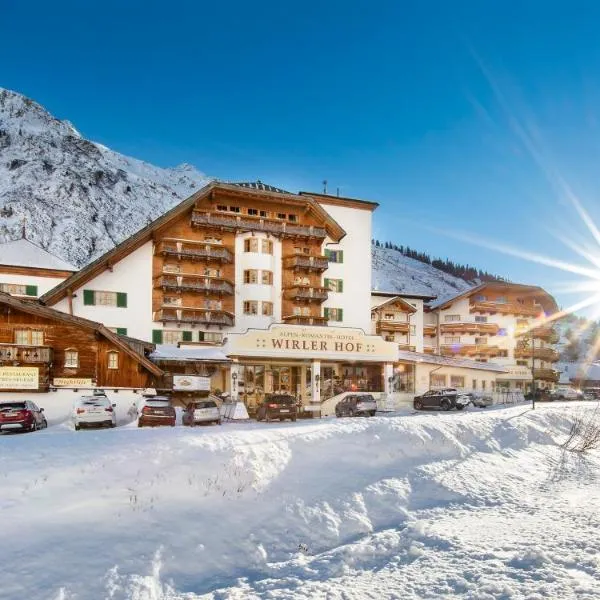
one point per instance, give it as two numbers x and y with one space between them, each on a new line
21 415
157 411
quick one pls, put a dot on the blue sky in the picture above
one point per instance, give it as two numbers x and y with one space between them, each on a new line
460 118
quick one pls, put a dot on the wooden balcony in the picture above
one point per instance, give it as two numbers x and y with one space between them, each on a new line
429 349
306 293
470 327
406 347
11 353
506 308
546 375
198 284
233 222
199 253
469 350
304 320
195 316
543 332
305 262
391 325
548 354
430 330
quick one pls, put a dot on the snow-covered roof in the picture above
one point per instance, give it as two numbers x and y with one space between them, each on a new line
196 353
435 359
259 185
23 253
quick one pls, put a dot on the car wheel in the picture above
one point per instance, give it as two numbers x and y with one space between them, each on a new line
45 424
33 427
418 404
77 427
293 419
445 405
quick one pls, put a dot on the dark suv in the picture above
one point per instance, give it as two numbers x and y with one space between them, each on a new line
446 399
21 415
277 406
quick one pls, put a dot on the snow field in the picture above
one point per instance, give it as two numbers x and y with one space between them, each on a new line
474 505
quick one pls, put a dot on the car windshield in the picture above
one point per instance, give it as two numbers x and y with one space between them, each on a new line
6 406
368 398
158 403
282 399
99 401
205 404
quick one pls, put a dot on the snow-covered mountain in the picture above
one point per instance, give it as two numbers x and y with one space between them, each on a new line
77 198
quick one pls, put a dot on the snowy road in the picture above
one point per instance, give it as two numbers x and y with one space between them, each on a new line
479 505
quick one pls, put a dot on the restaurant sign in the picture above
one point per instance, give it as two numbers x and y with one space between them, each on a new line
299 342
191 383
19 378
72 382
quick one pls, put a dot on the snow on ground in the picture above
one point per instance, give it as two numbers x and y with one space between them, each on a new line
476 505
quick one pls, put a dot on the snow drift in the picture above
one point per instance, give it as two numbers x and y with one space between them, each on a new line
477 505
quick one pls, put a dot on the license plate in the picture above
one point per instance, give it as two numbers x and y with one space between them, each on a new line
284 410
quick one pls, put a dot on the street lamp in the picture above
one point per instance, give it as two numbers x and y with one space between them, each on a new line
532 370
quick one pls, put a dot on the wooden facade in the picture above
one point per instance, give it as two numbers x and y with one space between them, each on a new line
65 347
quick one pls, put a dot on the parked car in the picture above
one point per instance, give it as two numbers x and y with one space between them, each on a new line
277 406
157 411
446 399
21 415
201 411
355 405
480 399
567 393
93 411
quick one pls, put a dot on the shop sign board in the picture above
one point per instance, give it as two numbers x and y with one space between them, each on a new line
19 378
191 383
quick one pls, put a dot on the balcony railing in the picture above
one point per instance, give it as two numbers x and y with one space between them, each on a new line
542 332
304 320
201 253
305 262
391 325
301 292
507 308
548 354
429 349
406 347
470 327
246 223
193 284
194 316
10 353
546 374
469 350
430 330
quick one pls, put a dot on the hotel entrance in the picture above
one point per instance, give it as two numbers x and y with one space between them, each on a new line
337 378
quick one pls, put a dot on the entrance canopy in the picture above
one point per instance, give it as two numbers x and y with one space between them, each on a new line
312 343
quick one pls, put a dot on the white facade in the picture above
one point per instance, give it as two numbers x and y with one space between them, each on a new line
355 270
132 275
43 284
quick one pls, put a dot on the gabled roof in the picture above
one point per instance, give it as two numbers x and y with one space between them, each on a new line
168 353
127 246
259 185
424 297
406 305
546 300
23 253
37 309
341 201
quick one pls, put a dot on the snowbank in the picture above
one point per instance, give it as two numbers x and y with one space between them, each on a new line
473 505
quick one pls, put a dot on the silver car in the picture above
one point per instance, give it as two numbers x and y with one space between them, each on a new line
354 405
480 400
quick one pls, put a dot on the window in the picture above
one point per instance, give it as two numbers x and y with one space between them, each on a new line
480 319
335 285
251 245
253 212
292 218
221 207
168 268
267 309
251 276
208 272
388 316
267 277
451 318
212 304
172 300
483 385
474 384
71 359
209 239
437 380
481 341
281 215
452 339
267 247
457 381
234 209
500 300
29 337
213 337
113 360
334 314
389 338
119 330
335 256
480 298
19 290
172 337
522 363
250 307
101 298
263 213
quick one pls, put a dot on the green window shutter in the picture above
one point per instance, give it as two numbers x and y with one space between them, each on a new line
201 336
327 253
340 285
340 314
326 282
340 256
121 299
157 336
31 290
186 336
121 330
88 297
326 313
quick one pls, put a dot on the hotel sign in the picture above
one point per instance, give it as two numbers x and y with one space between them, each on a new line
313 342
72 382
19 378
191 383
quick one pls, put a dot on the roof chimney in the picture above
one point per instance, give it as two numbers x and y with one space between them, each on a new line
324 186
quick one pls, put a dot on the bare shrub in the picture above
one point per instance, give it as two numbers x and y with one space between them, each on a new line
584 433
